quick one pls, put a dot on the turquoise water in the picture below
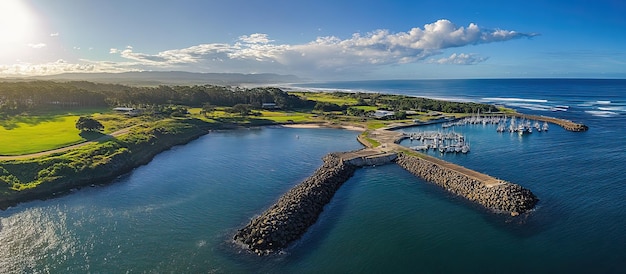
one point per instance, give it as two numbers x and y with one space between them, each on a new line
178 213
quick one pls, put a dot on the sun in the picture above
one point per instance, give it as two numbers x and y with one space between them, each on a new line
17 25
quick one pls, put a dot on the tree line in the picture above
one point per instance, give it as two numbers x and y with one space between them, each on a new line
404 103
20 97
24 96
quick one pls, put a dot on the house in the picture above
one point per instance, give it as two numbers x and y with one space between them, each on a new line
128 111
269 106
381 114
123 109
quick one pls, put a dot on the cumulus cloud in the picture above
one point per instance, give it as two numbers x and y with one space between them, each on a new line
256 38
55 34
379 47
59 66
460 59
325 54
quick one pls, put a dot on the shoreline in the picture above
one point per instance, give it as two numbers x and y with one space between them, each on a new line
324 125
103 174
143 157
299 208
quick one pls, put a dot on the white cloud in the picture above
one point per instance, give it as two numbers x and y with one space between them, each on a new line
256 38
54 34
37 46
62 66
324 55
460 59
380 47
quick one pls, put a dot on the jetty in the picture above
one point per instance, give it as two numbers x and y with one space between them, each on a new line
289 218
566 124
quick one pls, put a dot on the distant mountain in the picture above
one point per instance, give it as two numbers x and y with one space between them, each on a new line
174 78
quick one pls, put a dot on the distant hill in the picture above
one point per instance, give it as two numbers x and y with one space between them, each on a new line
150 78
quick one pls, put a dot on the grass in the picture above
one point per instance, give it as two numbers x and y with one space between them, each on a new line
372 142
366 108
284 117
326 97
43 131
24 137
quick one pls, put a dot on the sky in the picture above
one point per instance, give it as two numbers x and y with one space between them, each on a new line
320 40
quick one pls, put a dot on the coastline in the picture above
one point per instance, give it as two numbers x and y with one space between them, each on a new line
300 207
325 125
104 174
162 143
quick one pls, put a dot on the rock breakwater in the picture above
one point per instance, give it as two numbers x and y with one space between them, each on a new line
502 197
289 218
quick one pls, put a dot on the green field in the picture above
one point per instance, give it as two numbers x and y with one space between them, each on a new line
48 130
327 98
366 108
30 134
284 117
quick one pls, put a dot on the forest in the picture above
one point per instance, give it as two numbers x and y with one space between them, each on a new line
24 97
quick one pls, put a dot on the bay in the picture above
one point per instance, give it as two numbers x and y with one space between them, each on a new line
179 212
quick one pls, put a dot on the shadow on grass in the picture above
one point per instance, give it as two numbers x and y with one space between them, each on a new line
35 117
13 122
91 135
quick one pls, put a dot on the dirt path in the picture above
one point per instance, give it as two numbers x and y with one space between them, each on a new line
63 149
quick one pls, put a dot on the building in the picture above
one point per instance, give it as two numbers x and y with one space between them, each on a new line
381 114
269 106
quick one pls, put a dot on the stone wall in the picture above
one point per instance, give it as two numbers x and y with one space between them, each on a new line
374 160
289 218
505 197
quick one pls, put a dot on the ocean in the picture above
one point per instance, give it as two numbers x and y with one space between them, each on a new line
178 213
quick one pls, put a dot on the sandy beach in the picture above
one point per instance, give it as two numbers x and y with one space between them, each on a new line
326 125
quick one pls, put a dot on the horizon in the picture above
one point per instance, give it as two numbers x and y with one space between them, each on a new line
325 41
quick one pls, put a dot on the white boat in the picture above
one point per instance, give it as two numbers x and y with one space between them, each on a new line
524 129
500 127
545 126
537 126
465 149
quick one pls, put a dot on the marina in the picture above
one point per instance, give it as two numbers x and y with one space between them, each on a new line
504 124
444 142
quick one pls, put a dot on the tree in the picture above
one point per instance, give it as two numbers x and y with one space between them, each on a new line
88 124
206 109
243 109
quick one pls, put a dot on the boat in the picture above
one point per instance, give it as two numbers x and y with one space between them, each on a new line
465 149
524 129
537 126
500 127
545 126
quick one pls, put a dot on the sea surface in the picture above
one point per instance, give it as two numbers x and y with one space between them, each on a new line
178 213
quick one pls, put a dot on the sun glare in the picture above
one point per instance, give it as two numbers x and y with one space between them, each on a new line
16 25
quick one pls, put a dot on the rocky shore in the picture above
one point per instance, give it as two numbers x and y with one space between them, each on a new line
503 197
289 218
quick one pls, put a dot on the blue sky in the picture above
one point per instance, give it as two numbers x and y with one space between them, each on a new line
325 40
